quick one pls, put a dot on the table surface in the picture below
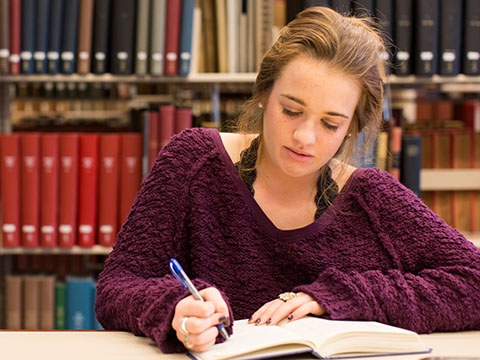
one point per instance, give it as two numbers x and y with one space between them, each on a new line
119 345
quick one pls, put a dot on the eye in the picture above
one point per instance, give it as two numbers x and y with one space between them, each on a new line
291 113
329 126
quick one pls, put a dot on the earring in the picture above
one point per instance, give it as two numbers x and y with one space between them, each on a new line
349 135
260 106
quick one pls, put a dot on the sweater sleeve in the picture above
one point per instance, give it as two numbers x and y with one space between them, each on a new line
135 290
434 282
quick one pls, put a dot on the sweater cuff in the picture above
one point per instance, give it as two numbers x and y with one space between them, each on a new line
337 293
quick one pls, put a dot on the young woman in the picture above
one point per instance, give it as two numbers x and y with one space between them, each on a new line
272 222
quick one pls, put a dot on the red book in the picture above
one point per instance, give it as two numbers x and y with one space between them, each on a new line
14 59
172 37
30 187
130 171
49 190
68 194
10 189
153 137
87 189
395 151
108 179
183 120
167 124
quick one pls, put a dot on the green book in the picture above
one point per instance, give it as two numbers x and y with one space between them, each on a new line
60 308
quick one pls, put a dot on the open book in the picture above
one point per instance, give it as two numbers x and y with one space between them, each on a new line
333 339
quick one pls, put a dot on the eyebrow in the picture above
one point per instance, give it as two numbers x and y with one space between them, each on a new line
301 102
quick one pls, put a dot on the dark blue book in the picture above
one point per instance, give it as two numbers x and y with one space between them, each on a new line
101 36
384 19
451 23
186 37
96 324
123 36
403 30
471 49
55 36
41 36
80 300
70 34
427 41
411 162
27 35
310 3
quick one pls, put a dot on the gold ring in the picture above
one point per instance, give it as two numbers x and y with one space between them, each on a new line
287 296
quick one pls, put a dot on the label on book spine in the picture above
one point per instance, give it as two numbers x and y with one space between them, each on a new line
53 55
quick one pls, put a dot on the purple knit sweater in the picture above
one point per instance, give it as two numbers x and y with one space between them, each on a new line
378 253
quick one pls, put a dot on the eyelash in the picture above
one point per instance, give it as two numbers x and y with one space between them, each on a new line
295 114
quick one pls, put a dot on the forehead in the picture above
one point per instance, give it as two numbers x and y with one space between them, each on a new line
311 79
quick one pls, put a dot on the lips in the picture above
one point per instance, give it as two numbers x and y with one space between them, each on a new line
298 155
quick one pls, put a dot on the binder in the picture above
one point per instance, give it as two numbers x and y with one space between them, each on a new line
27 35
172 36
451 16
69 40
188 6
42 35
55 36
4 35
85 36
15 20
142 31
427 29
100 40
403 29
385 20
157 39
471 49
123 35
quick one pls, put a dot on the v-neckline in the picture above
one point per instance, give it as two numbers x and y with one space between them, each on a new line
261 217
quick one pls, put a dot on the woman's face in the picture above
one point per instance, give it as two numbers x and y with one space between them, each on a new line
307 116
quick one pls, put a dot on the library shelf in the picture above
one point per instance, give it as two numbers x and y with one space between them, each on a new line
449 179
75 250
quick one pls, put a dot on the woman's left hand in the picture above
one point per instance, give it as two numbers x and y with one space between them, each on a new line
276 310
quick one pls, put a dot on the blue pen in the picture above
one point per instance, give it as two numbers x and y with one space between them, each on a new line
178 272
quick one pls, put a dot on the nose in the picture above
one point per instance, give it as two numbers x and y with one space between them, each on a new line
305 133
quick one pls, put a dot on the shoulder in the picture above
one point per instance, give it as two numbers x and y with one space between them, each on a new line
235 143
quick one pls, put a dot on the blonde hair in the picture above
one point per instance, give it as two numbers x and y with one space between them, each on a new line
348 44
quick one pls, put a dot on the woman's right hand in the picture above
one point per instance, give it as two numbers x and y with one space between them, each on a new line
200 319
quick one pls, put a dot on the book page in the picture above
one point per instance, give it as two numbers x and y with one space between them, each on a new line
248 338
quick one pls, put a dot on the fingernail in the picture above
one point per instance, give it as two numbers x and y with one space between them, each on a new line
290 317
224 320
250 319
258 321
269 321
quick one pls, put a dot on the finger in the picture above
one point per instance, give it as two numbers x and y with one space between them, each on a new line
259 313
214 296
285 310
311 307
189 307
196 325
266 316
199 342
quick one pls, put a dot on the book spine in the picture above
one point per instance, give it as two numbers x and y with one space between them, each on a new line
411 162
153 137
85 23
13 302
15 36
55 36
395 151
31 302
47 302
167 124
41 36
87 189
188 7
183 119
60 306
101 23
451 21
49 190
69 40
10 178
172 36
123 30
130 171
30 187
341 6
363 8
79 303
427 20
109 155
143 24
4 35
233 37
385 20
403 29
68 190
157 37
27 35
471 50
